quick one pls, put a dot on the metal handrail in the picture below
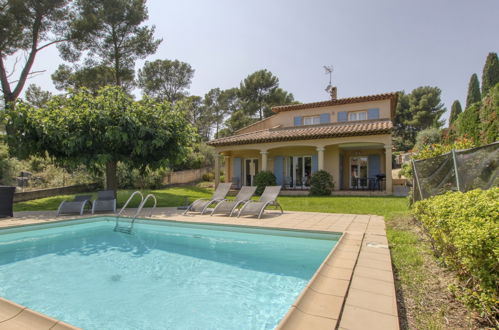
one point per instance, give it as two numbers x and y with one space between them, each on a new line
139 209
144 203
128 201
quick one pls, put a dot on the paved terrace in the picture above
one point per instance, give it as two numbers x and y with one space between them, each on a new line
353 288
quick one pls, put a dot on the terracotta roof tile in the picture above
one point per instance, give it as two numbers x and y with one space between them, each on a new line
368 98
365 127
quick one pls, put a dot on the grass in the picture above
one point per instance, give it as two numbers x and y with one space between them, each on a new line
178 196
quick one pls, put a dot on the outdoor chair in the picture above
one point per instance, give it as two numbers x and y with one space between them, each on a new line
105 202
230 206
268 198
76 206
201 205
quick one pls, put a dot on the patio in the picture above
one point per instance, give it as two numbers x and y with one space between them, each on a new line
353 288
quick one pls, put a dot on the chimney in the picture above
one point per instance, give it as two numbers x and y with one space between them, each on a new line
334 93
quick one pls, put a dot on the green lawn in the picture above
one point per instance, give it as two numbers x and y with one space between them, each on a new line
178 196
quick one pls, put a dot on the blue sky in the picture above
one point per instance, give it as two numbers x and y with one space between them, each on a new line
375 46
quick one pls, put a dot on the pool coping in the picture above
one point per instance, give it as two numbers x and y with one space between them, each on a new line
353 288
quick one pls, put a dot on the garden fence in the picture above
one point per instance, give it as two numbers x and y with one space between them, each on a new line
461 170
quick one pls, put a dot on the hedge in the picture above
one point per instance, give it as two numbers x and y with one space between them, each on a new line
464 231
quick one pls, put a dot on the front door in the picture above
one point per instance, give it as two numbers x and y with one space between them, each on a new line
358 172
250 170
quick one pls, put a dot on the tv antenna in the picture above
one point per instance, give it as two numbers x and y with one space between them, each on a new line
329 70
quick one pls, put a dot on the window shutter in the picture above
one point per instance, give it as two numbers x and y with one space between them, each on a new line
315 164
373 165
325 118
236 172
342 116
297 121
279 170
373 113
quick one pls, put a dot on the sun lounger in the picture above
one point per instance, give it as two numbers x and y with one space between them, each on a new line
105 202
268 198
76 206
230 206
201 205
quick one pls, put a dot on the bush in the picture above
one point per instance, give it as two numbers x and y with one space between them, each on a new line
210 176
434 150
464 231
129 177
263 179
321 184
428 136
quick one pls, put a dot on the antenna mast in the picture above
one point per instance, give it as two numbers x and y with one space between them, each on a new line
329 70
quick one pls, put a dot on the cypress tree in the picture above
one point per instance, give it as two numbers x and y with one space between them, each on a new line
455 111
473 91
468 124
490 75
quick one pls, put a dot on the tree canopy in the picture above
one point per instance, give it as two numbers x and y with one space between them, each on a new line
420 109
101 129
260 91
165 79
473 91
490 75
456 109
110 33
92 78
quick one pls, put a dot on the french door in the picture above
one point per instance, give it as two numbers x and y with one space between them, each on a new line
250 170
358 172
300 170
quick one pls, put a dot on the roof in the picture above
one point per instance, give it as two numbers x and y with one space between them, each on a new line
377 97
365 127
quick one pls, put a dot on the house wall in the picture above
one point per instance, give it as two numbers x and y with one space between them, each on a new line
286 118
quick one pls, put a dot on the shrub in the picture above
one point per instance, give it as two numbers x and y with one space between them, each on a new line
321 184
263 179
434 150
464 231
129 177
208 176
428 136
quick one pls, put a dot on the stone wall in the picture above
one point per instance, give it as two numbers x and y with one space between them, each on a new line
184 177
42 193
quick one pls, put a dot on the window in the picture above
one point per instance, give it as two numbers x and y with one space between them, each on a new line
357 115
311 120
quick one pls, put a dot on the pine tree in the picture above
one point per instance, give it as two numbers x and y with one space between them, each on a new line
455 111
473 91
490 75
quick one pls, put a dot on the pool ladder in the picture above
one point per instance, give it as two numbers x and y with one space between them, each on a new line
127 229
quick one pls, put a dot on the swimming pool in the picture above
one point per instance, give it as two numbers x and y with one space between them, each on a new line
166 275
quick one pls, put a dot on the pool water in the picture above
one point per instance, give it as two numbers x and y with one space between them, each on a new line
168 276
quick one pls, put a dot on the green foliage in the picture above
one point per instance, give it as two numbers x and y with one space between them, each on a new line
489 116
464 230
165 79
260 91
420 109
434 150
263 179
92 77
210 176
456 109
321 184
490 75
9 167
473 91
129 177
406 171
468 123
110 126
36 96
110 33
428 136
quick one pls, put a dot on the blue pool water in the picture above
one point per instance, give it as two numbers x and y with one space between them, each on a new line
168 276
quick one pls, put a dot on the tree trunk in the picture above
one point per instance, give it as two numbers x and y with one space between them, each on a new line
111 176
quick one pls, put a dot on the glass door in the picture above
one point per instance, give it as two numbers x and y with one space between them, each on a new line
250 170
301 171
358 173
